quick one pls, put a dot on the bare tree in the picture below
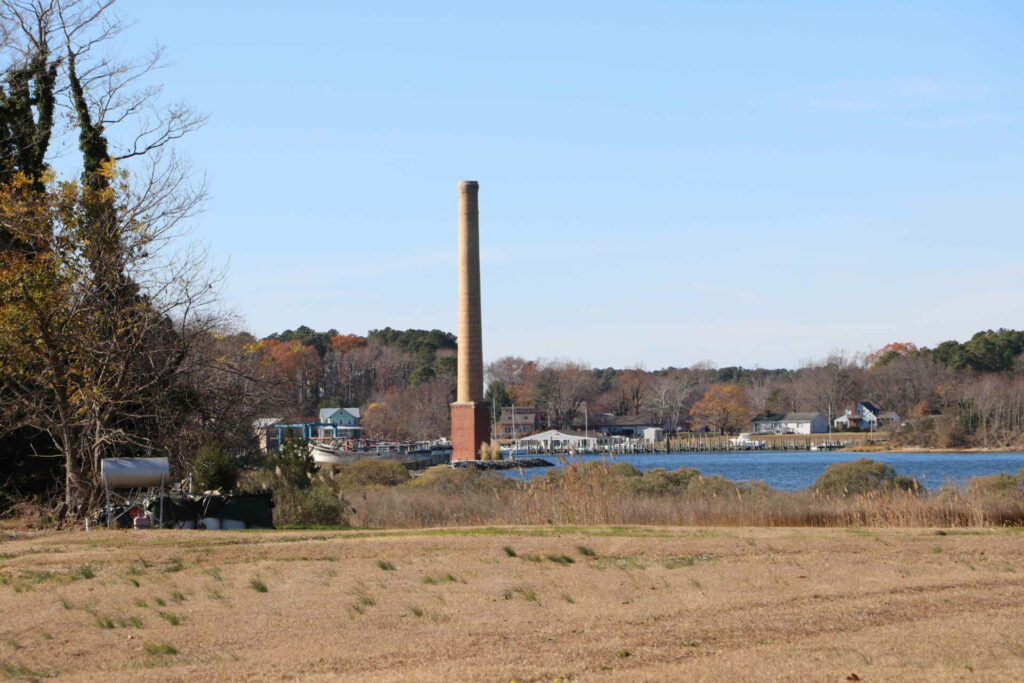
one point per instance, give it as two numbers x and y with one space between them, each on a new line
826 386
906 381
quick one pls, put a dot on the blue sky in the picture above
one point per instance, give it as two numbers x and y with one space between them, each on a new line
662 183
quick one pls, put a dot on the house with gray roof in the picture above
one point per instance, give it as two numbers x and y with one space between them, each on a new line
339 422
866 416
790 423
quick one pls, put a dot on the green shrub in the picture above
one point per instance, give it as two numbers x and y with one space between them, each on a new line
215 468
371 473
1000 485
861 476
315 504
711 487
618 474
293 464
659 482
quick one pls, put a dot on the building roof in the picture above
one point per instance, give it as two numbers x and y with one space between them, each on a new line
264 422
785 417
326 413
521 415
604 420
870 406
567 432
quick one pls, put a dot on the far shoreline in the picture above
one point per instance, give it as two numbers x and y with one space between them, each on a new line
927 449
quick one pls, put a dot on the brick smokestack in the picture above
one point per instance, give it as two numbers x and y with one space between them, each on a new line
471 423
471 362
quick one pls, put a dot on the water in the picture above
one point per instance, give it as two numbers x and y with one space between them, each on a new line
791 470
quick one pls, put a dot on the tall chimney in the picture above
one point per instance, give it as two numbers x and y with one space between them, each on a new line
471 417
471 362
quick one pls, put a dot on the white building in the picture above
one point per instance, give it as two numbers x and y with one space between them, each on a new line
654 435
866 415
564 439
790 423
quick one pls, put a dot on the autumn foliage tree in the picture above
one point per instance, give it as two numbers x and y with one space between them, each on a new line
97 322
723 408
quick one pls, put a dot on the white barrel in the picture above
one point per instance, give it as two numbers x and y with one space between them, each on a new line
211 523
232 524
133 473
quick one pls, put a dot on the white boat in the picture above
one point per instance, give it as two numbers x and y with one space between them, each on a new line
334 457
744 441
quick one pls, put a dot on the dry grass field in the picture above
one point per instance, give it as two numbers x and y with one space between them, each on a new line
522 604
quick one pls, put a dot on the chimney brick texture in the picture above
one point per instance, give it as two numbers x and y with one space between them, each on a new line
471 424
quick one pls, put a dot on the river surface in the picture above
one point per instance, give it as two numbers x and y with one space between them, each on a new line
798 469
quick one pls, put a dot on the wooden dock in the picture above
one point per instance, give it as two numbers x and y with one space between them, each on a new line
708 443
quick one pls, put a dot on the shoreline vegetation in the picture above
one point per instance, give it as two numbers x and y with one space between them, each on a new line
890 448
860 493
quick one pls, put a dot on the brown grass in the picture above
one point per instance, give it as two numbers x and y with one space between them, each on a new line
647 603
708 501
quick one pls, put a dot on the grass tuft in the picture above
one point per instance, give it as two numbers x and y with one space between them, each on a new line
561 559
22 672
160 649
178 596
258 585
83 572
385 565
175 564
677 562
524 592
172 619
509 551
446 578
416 611
585 551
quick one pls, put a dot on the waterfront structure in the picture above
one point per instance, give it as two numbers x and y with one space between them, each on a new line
340 423
471 415
654 435
516 422
621 425
553 440
866 416
790 423
267 435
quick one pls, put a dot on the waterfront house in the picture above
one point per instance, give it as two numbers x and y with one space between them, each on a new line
790 423
866 416
516 422
339 423
621 425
